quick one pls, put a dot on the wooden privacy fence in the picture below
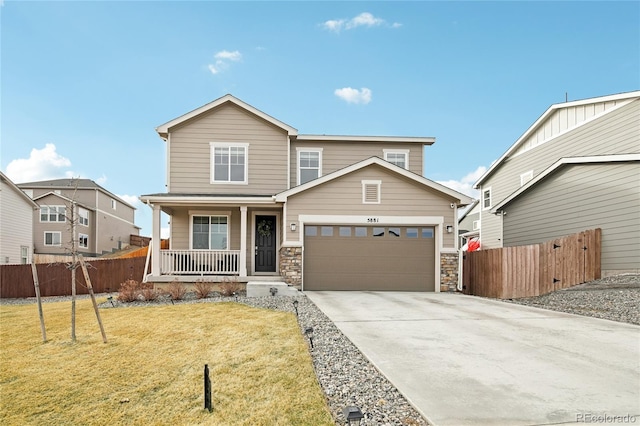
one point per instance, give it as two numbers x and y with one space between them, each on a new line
55 279
526 271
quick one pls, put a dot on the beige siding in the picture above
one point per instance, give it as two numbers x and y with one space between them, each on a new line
399 197
16 224
39 228
190 153
338 155
614 133
580 197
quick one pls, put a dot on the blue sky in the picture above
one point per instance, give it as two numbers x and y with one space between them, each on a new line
84 84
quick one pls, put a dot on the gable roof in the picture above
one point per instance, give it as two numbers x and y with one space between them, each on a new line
468 210
462 199
19 191
550 111
66 199
163 129
71 183
561 163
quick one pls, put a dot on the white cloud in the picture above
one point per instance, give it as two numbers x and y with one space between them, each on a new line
354 96
165 232
222 60
131 199
365 19
42 164
465 185
230 56
101 180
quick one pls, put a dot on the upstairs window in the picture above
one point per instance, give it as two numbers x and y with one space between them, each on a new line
486 198
114 204
210 232
309 164
52 238
53 214
83 216
83 241
398 157
229 163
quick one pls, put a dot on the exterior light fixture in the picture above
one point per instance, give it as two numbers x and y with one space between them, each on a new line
449 229
353 415
295 306
293 226
309 332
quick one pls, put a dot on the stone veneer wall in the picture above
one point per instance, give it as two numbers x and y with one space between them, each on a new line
448 271
291 266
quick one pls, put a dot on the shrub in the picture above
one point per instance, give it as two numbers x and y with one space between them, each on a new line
202 288
176 290
229 286
148 292
129 291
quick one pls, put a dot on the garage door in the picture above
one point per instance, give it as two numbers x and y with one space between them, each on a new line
376 258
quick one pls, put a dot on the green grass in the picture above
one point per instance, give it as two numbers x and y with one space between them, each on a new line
151 370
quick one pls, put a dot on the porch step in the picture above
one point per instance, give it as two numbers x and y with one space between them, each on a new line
263 288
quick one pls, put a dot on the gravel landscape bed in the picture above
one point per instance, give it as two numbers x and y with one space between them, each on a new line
615 298
348 378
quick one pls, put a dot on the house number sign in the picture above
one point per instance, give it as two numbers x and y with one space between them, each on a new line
373 220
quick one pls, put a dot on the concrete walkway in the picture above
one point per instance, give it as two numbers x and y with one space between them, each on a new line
463 360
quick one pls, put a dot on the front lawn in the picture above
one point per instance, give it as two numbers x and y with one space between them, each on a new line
151 369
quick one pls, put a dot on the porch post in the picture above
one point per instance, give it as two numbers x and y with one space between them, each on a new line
155 237
243 241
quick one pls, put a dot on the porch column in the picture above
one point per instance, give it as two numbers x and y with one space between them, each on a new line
155 237
243 241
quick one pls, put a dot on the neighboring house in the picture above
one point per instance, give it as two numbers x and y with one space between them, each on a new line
104 221
469 223
576 168
16 223
249 197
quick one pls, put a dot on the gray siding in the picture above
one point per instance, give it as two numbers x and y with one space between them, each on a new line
614 133
16 224
337 155
580 197
466 224
190 153
399 197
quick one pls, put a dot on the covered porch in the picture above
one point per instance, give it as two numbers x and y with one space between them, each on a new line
215 238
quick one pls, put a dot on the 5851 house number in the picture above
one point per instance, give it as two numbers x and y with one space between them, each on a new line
373 220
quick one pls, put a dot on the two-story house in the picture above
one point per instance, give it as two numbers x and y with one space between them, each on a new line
16 223
577 167
249 196
104 222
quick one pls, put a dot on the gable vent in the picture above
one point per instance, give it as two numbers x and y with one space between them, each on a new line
371 191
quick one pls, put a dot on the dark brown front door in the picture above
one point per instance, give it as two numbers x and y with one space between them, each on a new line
265 229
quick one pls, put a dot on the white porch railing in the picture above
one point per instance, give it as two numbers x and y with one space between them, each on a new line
199 262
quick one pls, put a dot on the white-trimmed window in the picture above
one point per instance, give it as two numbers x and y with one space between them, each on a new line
209 232
52 238
486 198
526 177
114 204
83 241
309 164
476 225
371 191
83 216
53 214
399 157
229 163
24 255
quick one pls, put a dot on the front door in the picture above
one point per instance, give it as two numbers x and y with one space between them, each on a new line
265 231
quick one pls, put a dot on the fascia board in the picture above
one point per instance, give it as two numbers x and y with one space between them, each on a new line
355 138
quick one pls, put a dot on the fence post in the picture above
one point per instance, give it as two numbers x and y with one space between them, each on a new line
207 389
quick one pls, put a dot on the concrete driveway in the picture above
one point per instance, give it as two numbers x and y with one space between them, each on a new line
463 360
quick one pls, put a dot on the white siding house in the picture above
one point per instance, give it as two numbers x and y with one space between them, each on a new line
16 223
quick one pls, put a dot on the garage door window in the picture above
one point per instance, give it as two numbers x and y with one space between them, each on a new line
311 231
412 232
378 232
427 232
394 232
361 231
326 231
345 231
